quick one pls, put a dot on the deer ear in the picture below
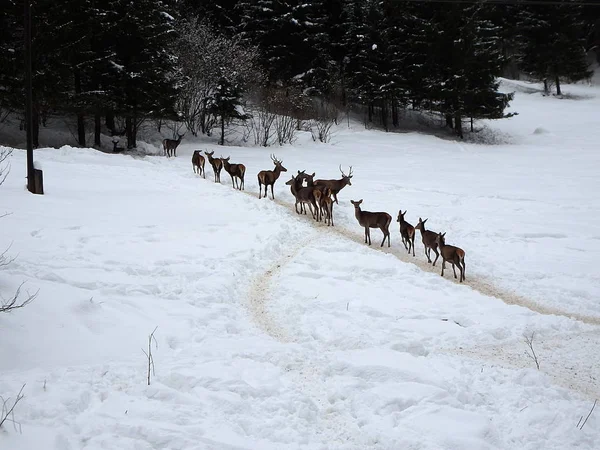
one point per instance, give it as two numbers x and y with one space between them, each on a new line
313 174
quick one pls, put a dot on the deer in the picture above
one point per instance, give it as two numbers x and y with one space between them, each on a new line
216 163
369 220
452 254
117 149
407 232
327 202
170 146
429 240
269 177
198 163
304 195
336 185
235 171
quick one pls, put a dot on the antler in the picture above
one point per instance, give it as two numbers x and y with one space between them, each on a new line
343 174
275 160
350 173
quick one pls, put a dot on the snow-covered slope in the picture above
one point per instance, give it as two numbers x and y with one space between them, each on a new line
276 333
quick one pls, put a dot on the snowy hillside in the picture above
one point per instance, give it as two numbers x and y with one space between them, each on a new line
275 332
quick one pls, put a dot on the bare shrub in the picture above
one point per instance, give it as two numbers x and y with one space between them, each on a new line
7 414
530 350
205 57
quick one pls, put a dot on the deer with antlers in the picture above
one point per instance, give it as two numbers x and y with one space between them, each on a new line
407 232
170 146
452 254
336 185
216 163
429 240
235 171
269 177
116 148
368 220
198 163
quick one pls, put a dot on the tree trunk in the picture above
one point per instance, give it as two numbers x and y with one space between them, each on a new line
370 115
110 122
97 130
472 125
449 122
546 88
80 118
129 132
558 91
35 127
458 125
384 116
222 140
395 120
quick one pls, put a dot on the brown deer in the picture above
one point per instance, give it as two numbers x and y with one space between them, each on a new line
216 163
452 254
429 240
269 177
116 148
407 232
235 171
370 220
327 202
170 145
336 185
198 163
304 195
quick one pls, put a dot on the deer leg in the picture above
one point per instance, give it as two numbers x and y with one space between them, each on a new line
464 269
335 197
272 194
427 252
365 235
437 255
369 234
384 236
412 242
443 265
454 270
259 189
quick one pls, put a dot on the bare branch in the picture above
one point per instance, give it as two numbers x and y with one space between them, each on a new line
14 302
149 356
8 410
531 352
588 416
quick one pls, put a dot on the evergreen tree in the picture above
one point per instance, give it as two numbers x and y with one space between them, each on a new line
553 43
226 103
145 77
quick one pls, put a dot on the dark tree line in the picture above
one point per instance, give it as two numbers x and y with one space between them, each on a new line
116 63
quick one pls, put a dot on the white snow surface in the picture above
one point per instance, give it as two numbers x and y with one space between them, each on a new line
278 333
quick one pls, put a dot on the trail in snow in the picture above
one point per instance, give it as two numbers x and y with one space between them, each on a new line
309 374
480 284
259 292
564 358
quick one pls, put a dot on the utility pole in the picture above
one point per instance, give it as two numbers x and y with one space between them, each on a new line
35 183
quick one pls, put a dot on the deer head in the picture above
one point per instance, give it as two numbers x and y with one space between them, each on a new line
278 164
346 178
401 216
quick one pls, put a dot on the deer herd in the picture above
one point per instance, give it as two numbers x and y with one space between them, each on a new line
320 195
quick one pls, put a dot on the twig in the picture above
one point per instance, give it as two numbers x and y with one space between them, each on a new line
588 416
13 303
149 354
8 414
531 351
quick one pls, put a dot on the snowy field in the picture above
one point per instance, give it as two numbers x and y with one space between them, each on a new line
278 333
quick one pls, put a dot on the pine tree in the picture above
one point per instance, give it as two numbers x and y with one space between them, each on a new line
553 43
226 104
145 78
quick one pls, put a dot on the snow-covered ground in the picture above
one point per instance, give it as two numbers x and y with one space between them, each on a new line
278 333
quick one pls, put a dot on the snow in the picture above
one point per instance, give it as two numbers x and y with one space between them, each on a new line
277 333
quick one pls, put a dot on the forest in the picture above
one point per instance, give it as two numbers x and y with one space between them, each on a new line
114 65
